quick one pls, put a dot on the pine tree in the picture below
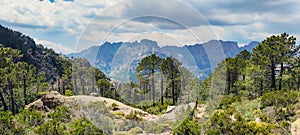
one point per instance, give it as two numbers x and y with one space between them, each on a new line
146 70
170 68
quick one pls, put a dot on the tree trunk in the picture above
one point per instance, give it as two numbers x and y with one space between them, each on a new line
82 85
162 89
173 90
93 86
75 82
102 90
64 88
24 90
58 85
12 98
228 83
273 76
261 87
280 76
153 86
298 83
3 101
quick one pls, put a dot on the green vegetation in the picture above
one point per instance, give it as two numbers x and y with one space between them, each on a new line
188 127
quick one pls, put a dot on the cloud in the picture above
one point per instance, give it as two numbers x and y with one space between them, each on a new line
167 12
178 21
55 46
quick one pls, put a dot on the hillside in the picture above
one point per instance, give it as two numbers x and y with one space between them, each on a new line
45 60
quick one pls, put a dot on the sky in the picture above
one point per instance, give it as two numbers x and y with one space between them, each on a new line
70 26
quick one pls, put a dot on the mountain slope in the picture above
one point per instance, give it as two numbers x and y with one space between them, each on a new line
119 60
45 60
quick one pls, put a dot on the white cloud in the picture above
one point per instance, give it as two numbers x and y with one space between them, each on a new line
236 20
55 46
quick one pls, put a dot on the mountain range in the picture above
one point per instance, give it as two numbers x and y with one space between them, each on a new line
118 60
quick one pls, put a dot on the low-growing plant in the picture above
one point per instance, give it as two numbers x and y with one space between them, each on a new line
133 115
69 93
114 107
228 100
279 98
187 127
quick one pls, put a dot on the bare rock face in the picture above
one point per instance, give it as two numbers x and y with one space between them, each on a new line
37 105
295 128
170 109
48 101
53 99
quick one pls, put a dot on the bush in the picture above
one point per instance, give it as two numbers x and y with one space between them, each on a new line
279 98
134 115
83 126
187 127
69 93
259 128
52 127
136 130
119 113
30 117
114 107
6 123
223 123
61 114
227 101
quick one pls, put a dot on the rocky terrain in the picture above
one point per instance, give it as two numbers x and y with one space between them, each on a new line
118 112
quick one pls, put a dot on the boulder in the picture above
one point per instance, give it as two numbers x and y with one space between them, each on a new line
170 109
295 128
37 105
47 101
53 99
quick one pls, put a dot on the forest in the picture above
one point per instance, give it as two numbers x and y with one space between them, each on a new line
252 93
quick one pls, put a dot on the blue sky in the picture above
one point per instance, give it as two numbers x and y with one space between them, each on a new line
73 25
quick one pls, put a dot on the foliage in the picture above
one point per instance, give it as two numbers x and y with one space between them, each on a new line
187 127
134 115
69 93
228 100
283 98
30 118
223 123
83 126
114 107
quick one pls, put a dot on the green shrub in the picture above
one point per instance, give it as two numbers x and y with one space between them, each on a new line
187 127
259 128
60 113
133 115
69 93
119 113
136 130
279 98
52 127
114 107
30 117
223 123
6 123
228 100
83 126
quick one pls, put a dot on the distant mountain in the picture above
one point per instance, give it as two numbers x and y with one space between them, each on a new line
119 60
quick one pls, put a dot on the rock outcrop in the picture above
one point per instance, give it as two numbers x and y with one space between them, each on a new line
48 101
295 127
